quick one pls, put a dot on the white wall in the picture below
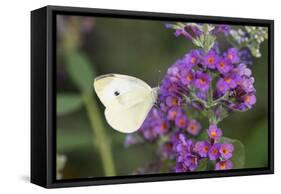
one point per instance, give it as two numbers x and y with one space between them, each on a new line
15 93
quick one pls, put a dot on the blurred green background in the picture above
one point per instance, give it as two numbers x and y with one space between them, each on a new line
88 47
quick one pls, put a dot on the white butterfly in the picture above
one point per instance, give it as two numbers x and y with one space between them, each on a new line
127 100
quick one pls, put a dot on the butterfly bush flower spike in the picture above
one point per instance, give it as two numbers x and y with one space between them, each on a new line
207 83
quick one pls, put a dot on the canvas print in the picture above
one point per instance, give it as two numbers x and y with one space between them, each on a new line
141 97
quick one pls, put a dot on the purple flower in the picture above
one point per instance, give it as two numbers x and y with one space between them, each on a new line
180 31
192 58
223 165
226 150
249 100
202 148
243 70
214 132
181 121
233 55
174 112
238 106
223 66
180 167
232 79
172 101
162 127
246 56
185 159
202 81
193 127
173 71
181 158
162 106
183 146
191 162
211 59
189 31
187 76
175 139
168 87
214 152
247 84
222 86
147 130
222 28
193 30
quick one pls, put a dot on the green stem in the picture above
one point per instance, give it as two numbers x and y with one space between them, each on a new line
211 116
101 140
195 98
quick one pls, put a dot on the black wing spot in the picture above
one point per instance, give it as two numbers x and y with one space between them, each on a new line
116 93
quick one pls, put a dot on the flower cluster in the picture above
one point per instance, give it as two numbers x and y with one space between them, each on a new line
189 154
155 125
191 79
204 82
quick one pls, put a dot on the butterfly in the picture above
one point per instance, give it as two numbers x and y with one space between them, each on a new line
127 100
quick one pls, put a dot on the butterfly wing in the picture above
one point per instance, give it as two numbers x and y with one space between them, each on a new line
127 112
127 100
109 86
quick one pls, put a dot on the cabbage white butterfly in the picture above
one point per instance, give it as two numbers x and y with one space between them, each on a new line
127 100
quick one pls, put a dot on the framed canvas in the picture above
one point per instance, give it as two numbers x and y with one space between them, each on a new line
124 96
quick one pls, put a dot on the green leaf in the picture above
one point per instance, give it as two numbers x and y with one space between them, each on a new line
257 152
80 70
238 157
68 103
202 165
202 136
210 165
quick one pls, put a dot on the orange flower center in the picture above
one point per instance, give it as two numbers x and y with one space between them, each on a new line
215 151
189 77
202 81
247 99
222 64
163 126
193 160
193 60
174 101
227 80
173 114
230 56
206 149
181 122
223 165
224 150
214 134
211 60
192 127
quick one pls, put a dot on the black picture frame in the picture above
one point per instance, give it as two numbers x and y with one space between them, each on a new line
43 96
